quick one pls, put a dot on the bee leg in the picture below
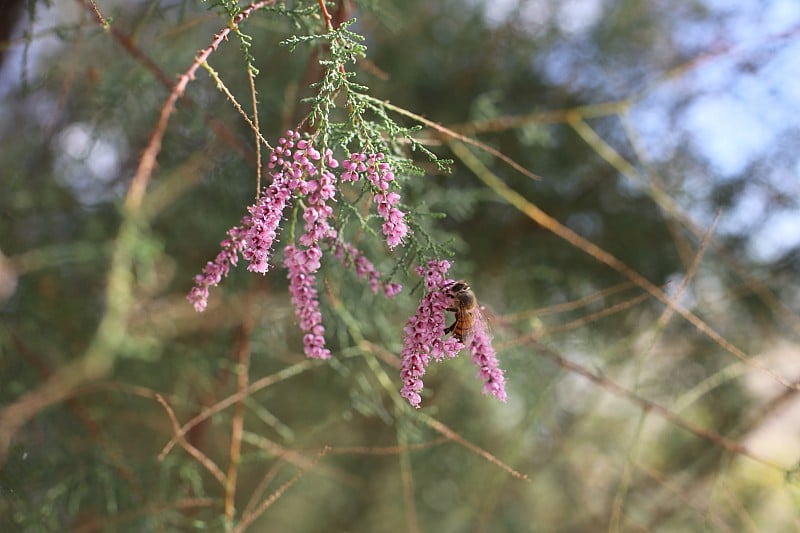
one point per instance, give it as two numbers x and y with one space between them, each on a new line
450 329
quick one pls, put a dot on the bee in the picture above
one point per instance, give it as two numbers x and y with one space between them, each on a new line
465 306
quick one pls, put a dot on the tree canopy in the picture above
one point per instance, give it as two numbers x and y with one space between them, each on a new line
614 181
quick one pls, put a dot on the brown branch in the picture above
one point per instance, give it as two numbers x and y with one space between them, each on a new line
452 435
449 134
652 407
237 424
248 519
147 162
264 382
220 128
202 458
93 6
325 15
97 361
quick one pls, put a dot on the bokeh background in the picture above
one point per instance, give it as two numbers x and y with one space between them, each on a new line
643 293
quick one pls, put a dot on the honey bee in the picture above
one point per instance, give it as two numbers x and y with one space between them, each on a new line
465 306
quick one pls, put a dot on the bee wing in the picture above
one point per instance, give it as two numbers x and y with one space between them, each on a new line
484 317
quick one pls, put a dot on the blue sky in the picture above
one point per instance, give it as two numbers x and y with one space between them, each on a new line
739 105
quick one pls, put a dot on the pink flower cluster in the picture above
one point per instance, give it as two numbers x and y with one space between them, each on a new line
257 233
349 254
380 175
484 357
216 270
422 340
299 171
302 266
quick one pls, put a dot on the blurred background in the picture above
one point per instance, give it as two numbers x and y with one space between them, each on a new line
666 138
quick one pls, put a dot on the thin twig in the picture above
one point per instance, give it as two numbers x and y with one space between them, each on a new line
148 160
450 134
298 458
407 481
652 407
248 519
237 423
258 492
257 132
325 15
202 458
91 4
627 472
566 306
452 435
220 128
659 196
239 109
575 324
386 450
106 522
264 382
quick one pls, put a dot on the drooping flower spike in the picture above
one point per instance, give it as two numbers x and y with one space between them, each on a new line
422 340
380 175
350 255
300 173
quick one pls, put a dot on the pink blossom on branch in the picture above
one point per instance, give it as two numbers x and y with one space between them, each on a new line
302 266
258 231
379 174
301 173
422 336
261 226
217 269
318 213
422 340
484 357
349 254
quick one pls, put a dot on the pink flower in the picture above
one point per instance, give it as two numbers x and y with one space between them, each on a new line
483 356
395 228
318 212
216 270
422 338
354 167
392 289
347 254
300 172
380 175
290 161
261 227
302 266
